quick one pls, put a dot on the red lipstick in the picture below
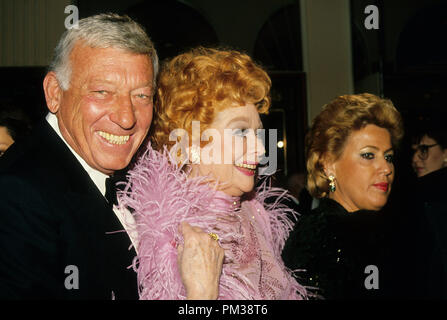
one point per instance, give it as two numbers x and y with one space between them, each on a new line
382 186
247 171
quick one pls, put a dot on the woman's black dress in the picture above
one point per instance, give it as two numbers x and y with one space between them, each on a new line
343 253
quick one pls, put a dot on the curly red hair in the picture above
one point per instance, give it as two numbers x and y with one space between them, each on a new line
196 85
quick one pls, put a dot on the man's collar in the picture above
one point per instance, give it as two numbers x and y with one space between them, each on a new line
98 177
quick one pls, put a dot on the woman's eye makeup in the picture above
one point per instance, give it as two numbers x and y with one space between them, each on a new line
389 158
370 156
367 155
241 132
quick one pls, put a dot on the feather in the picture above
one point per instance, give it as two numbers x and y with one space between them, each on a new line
160 196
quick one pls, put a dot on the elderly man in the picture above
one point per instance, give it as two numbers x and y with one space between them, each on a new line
58 234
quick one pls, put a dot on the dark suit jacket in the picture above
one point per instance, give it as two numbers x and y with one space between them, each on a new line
54 227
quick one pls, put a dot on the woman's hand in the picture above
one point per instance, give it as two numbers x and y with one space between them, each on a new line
200 263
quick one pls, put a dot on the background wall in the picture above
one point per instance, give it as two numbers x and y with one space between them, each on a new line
29 30
327 51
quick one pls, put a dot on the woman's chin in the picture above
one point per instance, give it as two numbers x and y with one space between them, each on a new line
235 191
376 205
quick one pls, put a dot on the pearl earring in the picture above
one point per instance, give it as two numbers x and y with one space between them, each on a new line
194 153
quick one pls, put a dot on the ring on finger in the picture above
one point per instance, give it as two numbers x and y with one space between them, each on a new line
214 236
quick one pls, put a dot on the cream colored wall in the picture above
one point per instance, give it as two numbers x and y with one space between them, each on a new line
326 51
29 30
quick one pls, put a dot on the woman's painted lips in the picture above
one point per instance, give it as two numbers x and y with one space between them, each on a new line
382 186
247 169
419 169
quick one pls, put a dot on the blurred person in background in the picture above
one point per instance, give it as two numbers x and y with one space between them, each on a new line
430 150
429 161
14 125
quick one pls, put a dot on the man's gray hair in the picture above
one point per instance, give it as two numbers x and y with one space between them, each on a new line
106 30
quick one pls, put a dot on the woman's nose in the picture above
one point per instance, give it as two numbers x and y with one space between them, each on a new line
260 149
254 147
386 167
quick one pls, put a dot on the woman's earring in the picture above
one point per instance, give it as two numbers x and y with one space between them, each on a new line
194 154
331 183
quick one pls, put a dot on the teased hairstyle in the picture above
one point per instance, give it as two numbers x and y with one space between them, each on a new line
106 30
332 127
195 85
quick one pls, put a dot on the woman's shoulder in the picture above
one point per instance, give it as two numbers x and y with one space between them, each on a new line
319 228
329 207
320 218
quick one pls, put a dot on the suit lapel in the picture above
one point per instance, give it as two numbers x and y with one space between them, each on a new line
94 216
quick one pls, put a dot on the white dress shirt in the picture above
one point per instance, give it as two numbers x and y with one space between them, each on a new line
99 179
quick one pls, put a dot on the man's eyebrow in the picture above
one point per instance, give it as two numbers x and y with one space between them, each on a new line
108 81
101 80
150 88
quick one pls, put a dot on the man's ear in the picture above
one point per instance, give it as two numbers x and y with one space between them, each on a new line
53 92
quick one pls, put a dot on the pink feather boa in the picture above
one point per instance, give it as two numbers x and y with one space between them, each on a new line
160 196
